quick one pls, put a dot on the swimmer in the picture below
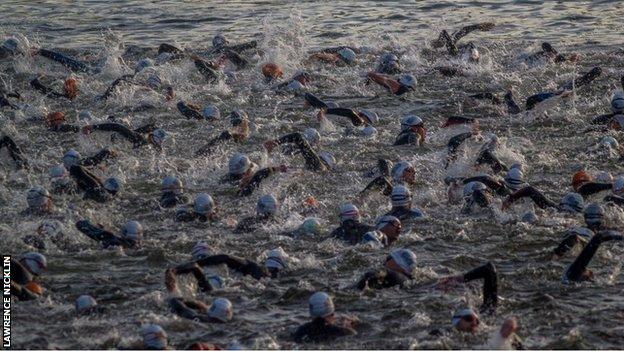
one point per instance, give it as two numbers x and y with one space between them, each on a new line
39 201
172 192
266 209
204 209
239 133
241 170
338 56
23 273
577 271
312 159
138 137
325 325
351 229
401 199
130 238
413 131
15 152
70 88
386 233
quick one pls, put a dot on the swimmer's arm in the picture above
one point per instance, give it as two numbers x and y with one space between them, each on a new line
618 200
538 198
111 89
455 142
22 293
98 158
40 87
450 44
256 179
67 128
603 119
512 106
148 128
93 232
84 178
314 101
483 27
244 46
237 59
313 161
384 81
117 128
14 151
592 188
490 182
179 307
352 115
381 183
368 279
577 269
567 244
487 272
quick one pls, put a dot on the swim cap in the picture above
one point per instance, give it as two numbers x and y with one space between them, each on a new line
154 337
267 205
219 41
579 178
294 85
410 121
211 112
272 71
618 185
408 80
373 238
112 185
11 44
617 102
200 250
37 197
514 179
370 116
171 184
50 227
347 55
593 215
399 169
586 233
572 202
388 57
34 288
276 258
158 136
604 177
132 230
71 158
369 131
203 204
237 117
321 305
154 81
383 221
35 262
84 304
143 64
331 104
53 119
462 313
311 226
85 115
517 166
328 157
312 136
470 188
239 164
529 217
58 172
610 142
405 259
401 196
221 309
348 211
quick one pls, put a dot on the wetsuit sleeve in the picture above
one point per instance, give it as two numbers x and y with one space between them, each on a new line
67 128
148 128
384 166
122 130
238 264
618 200
483 27
237 59
65 60
487 272
592 188
111 89
381 280
449 43
313 161
179 306
382 183
40 87
512 106
567 244
19 273
255 181
244 46
206 149
97 158
584 79
107 238
85 180
198 273
538 198
486 156
314 101
603 119
490 182
406 138
14 151
351 114
577 268
300 334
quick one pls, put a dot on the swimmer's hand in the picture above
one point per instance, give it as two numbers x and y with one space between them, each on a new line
447 284
86 130
170 280
270 145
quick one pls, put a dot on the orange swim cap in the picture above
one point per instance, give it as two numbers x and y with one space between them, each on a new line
311 201
272 71
34 288
579 178
53 119
71 88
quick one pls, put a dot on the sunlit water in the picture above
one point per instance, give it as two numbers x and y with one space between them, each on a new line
550 143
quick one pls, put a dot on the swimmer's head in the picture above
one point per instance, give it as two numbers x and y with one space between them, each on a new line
50 228
373 238
328 158
471 54
401 196
153 81
215 281
221 309
158 136
203 204
132 230
34 288
85 304
239 164
618 186
389 225
401 260
529 217
267 206
408 81
34 262
572 202
617 102
154 337
320 305
310 226
388 57
312 136
272 71
71 158
514 179
211 112
593 215
370 116
219 41
403 172
58 171
368 131
610 142
276 260
54 119
200 250
579 178
348 211
171 184
604 177
410 122
38 199
112 185
347 55
465 320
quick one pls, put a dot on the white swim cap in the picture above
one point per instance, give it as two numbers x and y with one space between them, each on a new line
321 305
221 309
349 211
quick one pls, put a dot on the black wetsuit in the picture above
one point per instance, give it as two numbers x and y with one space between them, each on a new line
575 271
487 272
191 309
48 92
320 330
106 238
351 231
383 183
207 69
573 238
404 213
495 185
382 279
616 199
135 137
486 156
407 137
96 159
89 183
207 148
188 215
312 159
19 277
69 62
250 224
453 145
590 188
189 111
117 82
535 195
255 180
14 152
